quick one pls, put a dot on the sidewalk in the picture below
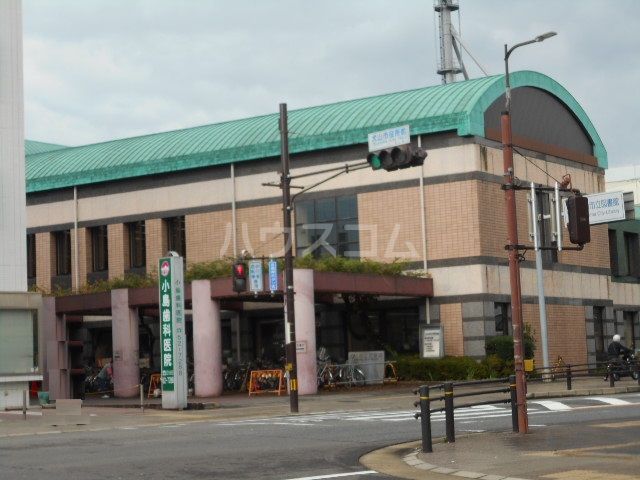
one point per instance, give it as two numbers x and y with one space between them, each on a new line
588 451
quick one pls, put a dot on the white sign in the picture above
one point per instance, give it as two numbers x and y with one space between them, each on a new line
606 207
432 342
389 138
301 346
256 282
173 341
371 363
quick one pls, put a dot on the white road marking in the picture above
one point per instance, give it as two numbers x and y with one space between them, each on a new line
552 405
610 400
336 475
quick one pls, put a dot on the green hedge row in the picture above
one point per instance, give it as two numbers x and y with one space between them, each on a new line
452 368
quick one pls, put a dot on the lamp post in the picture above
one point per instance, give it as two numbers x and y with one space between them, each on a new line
513 247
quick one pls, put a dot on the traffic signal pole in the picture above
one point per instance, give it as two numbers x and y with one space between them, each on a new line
285 184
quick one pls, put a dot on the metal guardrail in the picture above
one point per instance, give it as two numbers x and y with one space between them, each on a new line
448 397
581 370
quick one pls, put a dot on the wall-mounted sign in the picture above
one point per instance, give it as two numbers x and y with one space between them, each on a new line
273 275
606 207
432 342
301 346
173 342
389 138
256 281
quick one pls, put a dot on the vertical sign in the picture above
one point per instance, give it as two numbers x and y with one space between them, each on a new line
172 333
255 276
273 275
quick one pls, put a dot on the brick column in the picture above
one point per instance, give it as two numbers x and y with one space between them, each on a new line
156 235
117 244
45 260
305 312
207 340
124 331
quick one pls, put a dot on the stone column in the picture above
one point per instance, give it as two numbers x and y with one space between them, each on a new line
207 340
305 311
124 331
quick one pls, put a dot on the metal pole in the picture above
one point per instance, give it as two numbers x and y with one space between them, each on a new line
514 266
448 411
24 404
76 275
285 184
569 377
423 224
425 417
142 397
514 403
542 303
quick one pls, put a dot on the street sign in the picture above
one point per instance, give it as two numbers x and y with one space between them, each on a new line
606 207
273 275
173 342
256 282
389 138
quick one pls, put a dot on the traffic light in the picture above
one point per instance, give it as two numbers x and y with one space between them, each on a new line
403 156
578 213
239 277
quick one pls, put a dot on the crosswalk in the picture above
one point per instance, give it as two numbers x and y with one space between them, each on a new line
462 415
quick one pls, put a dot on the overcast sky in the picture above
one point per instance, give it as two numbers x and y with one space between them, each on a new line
97 70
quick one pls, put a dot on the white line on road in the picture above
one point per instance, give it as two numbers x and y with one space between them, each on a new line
336 475
610 400
552 405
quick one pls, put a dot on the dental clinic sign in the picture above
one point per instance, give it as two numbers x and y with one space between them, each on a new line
606 207
173 346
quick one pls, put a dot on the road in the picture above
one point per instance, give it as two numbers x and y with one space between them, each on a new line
326 445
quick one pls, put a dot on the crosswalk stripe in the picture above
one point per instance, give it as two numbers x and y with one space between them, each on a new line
552 405
610 400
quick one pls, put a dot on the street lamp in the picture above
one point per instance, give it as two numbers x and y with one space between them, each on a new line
513 247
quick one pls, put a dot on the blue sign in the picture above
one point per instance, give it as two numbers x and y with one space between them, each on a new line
273 275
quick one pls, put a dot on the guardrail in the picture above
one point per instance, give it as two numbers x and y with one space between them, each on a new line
568 372
449 407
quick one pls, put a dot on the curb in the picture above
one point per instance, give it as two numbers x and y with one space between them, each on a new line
584 392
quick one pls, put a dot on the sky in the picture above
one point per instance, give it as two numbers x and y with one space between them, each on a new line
96 70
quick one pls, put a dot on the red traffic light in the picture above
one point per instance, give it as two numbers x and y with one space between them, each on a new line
238 270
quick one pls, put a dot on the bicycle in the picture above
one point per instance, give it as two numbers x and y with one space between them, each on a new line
559 369
350 375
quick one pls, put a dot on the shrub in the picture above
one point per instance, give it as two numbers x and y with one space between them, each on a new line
440 369
209 270
502 346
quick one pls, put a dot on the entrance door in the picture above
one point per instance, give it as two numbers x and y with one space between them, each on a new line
629 329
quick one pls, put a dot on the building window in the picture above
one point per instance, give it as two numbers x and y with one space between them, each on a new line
137 244
99 249
632 249
544 206
63 252
328 226
502 317
176 236
613 253
598 330
31 255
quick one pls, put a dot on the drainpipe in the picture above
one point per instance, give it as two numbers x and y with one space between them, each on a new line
76 274
423 222
233 211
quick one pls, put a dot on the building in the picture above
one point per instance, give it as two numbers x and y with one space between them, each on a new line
104 210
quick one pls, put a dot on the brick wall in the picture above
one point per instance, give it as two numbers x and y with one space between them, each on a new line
118 248
259 230
209 236
567 334
45 260
84 256
451 321
156 237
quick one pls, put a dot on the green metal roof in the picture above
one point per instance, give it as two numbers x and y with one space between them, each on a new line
31 147
452 107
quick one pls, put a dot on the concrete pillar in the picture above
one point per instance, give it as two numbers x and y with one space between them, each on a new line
207 340
124 331
13 210
305 312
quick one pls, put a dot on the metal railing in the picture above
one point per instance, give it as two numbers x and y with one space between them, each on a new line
611 371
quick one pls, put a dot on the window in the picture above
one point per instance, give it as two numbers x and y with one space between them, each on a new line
137 245
613 253
632 249
63 252
99 249
328 226
502 317
176 237
546 229
31 255
18 342
598 330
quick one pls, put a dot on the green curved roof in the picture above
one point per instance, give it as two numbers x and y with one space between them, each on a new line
452 107
31 147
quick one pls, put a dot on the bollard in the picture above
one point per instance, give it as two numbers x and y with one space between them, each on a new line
142 398
448 411
425 419
514 403
24 404
612 381
568 374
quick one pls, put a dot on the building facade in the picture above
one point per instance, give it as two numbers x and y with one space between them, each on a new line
105 210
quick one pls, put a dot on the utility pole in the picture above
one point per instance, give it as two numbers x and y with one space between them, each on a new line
285 184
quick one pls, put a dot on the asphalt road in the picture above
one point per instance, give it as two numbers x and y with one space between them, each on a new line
288 447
